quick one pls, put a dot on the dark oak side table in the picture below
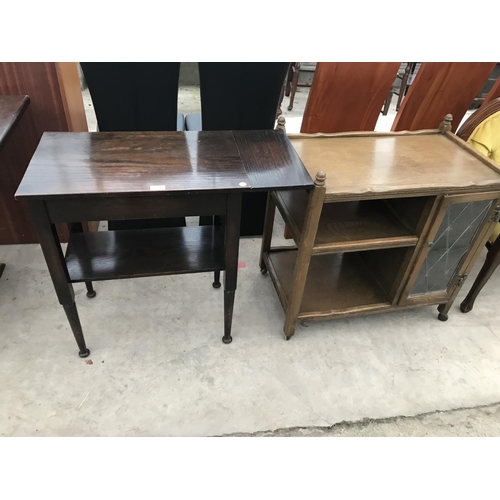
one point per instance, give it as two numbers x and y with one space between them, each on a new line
76 177
12 108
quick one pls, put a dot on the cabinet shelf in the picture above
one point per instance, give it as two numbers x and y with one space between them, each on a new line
347 226
104 255
336 284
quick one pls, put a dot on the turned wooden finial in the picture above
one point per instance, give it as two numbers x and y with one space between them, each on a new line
281 123
320 178
445 125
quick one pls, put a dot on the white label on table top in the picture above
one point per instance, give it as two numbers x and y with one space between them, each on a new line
243 184
157 187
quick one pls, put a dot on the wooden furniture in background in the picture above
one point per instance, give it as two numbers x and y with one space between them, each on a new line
292 80
440 88
493 257
400 86
56 104
138 175
486 88
11 110
395 221
347 96
494 93
406 80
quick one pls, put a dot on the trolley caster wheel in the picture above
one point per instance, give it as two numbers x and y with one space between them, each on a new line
465 308
92 294
227 340
84 354
263 270
216 284
442 317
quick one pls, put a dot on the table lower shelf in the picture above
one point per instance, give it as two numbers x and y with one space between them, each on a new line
337 284
105 255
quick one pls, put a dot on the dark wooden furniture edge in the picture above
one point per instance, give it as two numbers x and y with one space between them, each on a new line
138 253
15 118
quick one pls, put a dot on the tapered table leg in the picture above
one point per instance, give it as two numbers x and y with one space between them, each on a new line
77 227
2 267
228 315
268 231
232 236
90 290
216 283
51 248
74 321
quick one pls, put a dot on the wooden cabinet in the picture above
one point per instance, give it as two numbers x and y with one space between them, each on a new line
56 104
394 221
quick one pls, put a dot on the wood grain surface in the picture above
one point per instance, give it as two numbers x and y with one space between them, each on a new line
335 282
347 96
11 109
56 104
438 89
348 226
16 224
390 165
106 255
270 160
113 163
116 163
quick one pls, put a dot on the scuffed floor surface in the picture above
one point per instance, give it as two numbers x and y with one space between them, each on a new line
471 422
159 367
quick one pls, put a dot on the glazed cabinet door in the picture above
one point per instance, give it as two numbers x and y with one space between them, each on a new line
461 227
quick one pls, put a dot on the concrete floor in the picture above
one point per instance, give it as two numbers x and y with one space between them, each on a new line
470 422
159 367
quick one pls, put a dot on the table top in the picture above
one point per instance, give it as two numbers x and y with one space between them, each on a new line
68 164
11 109
365 164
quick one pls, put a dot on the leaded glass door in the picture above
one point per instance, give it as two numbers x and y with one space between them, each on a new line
459 225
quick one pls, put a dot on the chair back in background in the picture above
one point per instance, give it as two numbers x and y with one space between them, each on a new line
133 96
438 89
242 96
130 97
347 96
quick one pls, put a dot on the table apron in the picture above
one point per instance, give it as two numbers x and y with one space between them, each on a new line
135 207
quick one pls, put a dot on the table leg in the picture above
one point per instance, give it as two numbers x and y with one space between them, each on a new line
216 283
2 267
268 231
51 248
232 243
217 221
304 254
91 293
77 227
